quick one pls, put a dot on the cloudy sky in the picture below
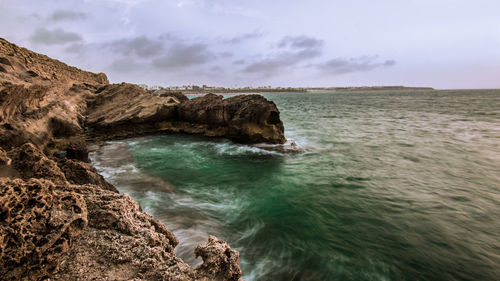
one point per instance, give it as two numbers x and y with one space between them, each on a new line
437 43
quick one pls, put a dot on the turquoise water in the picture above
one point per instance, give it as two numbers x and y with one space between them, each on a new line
390 186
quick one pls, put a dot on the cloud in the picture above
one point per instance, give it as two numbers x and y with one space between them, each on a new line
360 64
54 37
141 46
126 65
300 42
297 50
239 62
75 48
65 15
181 55
244 37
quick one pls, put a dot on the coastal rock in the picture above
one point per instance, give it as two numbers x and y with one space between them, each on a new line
38 227
244 118
220 262
123 243
42 100
60 219
30 162
124 109
77 172
176 94
4 158
25 66
78 152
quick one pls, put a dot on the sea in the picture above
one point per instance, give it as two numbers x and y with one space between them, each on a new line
386 185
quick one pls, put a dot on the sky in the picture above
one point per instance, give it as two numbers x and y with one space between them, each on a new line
445 44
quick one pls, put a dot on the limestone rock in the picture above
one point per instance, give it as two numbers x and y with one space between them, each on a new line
124 109
244 118
220 262
30 162
77 151
77 172
24 65
176 94
38 226
41 99
4 158
128 109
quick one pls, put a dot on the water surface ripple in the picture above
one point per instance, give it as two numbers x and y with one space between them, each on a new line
391 186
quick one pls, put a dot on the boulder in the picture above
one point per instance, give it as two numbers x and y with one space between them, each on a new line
220 262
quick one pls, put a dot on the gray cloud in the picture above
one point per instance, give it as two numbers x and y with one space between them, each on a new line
244 37
360 64
126 65
142 47
65 15
75 48
226 55
302 49
239 62
300 42
54 37
181 55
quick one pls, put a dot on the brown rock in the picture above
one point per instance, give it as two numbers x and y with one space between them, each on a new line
78 152
129 109
62 220
30 162
4 158
41 99
38 226
244 118
122 243
39 67
176 94
125 109
77 172
220 262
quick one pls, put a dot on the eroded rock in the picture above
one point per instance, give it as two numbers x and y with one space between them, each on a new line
124 109
77 172
78 152
38 226
30 162
220 262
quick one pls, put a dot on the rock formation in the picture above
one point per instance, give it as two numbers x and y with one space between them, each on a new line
59 218
125 109
38 227
67 223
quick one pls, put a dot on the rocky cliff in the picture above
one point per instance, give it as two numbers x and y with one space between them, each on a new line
124 109
60 219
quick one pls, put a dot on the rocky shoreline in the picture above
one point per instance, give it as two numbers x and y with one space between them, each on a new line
60 219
